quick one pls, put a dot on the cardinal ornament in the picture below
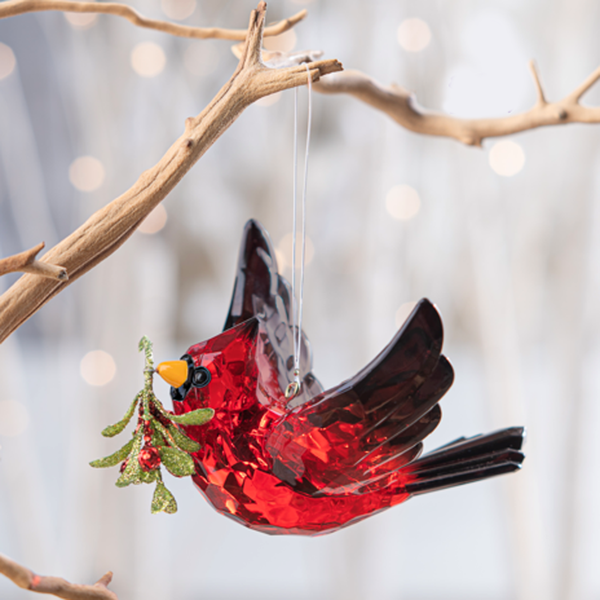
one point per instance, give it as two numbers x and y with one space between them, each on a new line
327 458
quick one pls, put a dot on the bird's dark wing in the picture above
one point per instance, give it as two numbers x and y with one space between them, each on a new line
371 425
466 460
259 291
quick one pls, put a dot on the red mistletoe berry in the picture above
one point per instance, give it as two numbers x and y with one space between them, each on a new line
123 465
149 458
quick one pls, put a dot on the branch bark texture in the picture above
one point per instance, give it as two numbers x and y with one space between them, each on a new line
112 225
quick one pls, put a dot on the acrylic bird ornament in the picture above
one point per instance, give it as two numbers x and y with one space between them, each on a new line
326 459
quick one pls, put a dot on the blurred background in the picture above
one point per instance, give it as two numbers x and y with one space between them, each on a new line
501 239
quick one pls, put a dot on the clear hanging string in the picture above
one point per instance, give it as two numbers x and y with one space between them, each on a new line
297 304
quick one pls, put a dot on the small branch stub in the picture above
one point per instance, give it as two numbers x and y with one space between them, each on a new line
25 262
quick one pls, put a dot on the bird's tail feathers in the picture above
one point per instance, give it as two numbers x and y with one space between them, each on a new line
466 460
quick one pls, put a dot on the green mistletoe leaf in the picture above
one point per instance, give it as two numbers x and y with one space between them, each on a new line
163 500
150 476
178 463
133 472
173 436
194 417
158 439
183 441
115 429
114 459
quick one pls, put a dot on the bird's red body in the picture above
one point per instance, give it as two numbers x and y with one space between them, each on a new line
235 467
336 456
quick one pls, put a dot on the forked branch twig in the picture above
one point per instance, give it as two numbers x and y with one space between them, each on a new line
112 225
401 106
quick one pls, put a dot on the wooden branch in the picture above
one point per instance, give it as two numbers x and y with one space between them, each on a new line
56 586
401 106
112 225
25 262
11 8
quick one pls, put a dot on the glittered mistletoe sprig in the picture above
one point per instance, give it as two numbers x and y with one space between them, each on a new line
156 439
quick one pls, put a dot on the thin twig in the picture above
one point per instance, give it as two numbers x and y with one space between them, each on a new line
575 96
401 106
112 225
538 84
11 8
25 262
56 586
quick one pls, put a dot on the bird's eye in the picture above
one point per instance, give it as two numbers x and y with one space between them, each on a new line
201 377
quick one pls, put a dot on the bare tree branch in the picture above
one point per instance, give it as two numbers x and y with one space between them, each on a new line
11 8
56 586
112 225
401 106
25 262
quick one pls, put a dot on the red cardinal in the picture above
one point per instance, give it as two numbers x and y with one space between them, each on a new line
328 458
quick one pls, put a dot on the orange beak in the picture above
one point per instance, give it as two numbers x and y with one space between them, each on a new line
174 372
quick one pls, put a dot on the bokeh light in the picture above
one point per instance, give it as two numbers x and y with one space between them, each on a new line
97 368
81 20
155 221
284 251
507 158
148 59
178 10
403 202
414 35
14 418
86 173
7 60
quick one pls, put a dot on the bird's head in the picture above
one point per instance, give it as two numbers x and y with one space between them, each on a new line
220 373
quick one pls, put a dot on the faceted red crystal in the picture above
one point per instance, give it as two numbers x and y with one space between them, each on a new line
149 458
235 470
